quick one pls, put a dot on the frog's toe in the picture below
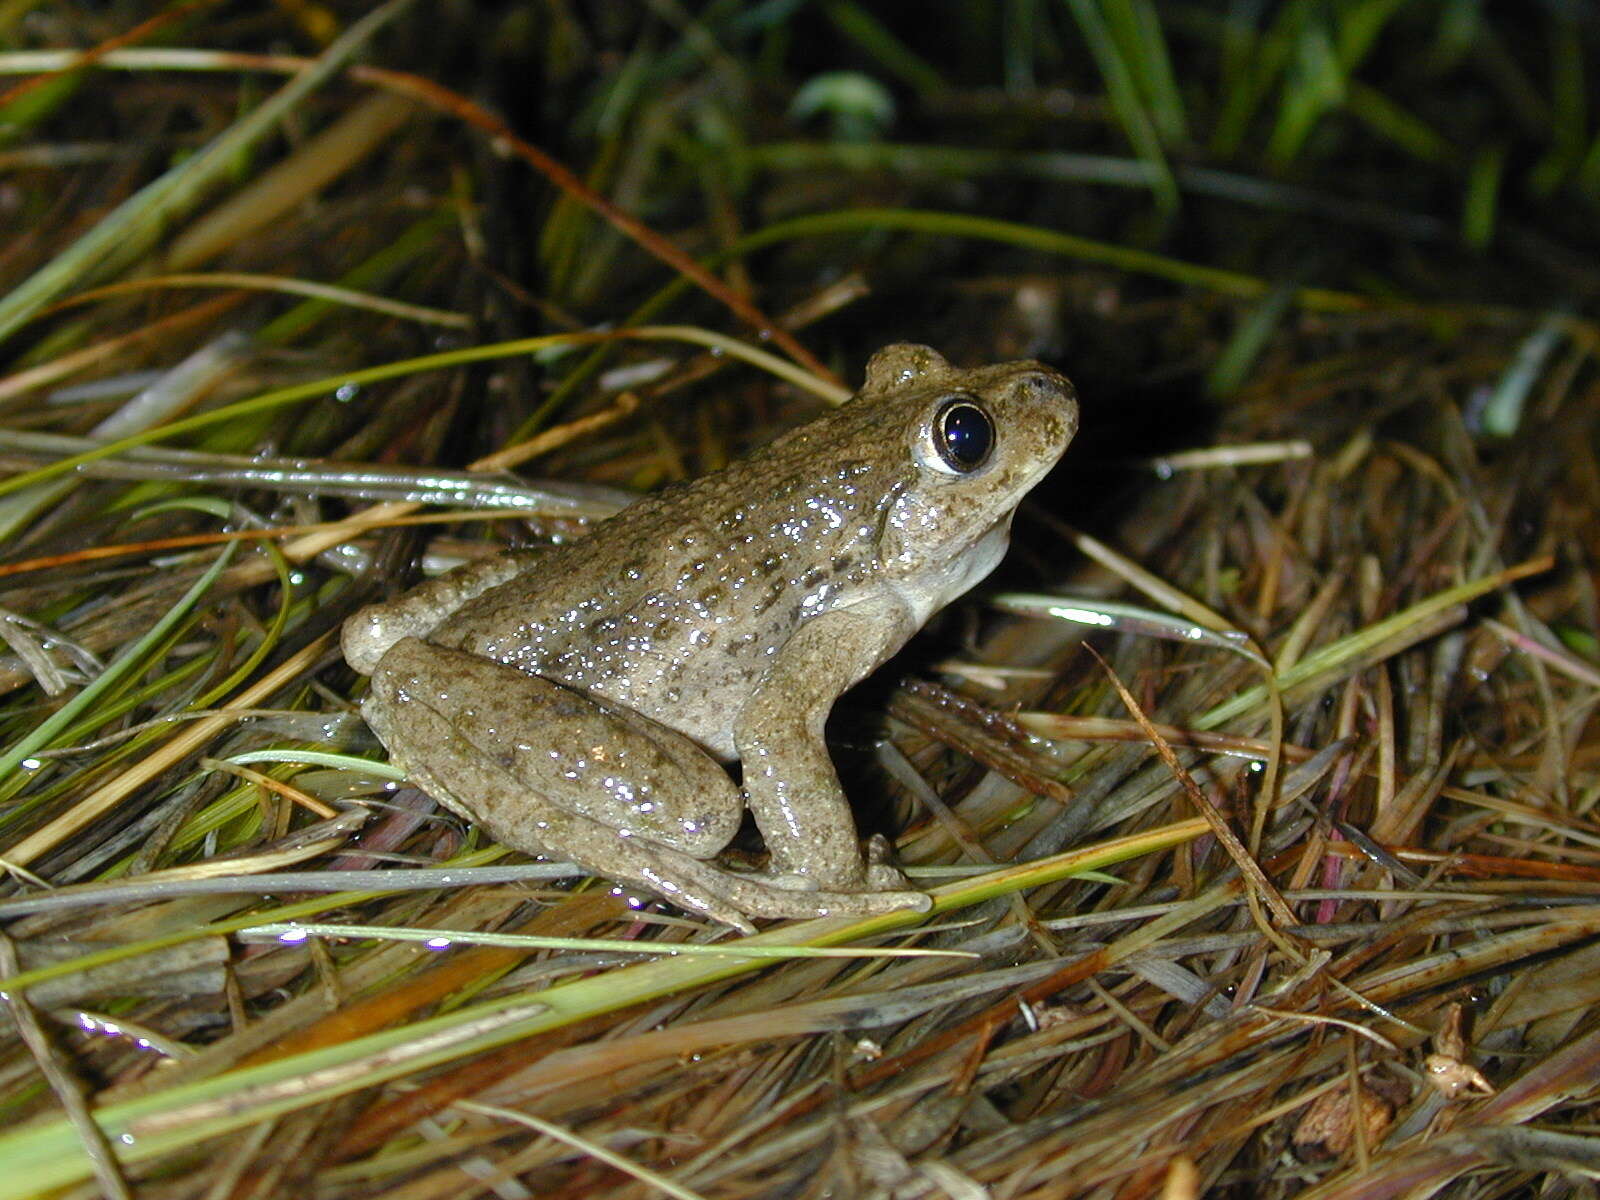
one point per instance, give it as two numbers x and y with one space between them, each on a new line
881 877
695 886
734 899
775 903
878 849
790 882
871 904
876 877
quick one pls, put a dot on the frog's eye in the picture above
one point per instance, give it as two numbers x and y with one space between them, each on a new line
963 435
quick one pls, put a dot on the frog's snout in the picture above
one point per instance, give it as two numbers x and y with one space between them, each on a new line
1052 404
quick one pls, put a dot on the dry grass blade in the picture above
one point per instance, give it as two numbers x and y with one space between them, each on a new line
116 241
1259 883
68 1091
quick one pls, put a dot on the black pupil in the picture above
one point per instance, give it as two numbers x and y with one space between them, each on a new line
966 435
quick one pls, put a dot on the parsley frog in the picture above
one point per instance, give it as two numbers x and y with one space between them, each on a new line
581 700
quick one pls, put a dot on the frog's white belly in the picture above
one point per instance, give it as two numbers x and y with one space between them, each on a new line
931 589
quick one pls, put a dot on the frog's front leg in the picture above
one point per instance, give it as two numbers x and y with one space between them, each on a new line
549 770
789 779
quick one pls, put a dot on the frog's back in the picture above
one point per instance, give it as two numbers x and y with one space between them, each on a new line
673 607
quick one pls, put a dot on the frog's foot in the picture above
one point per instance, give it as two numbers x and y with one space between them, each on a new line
766 899
881 877
875 873
882 874
878 877
789 881
732 898
878 849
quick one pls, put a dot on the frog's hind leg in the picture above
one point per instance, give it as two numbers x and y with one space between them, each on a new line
510 751
548 770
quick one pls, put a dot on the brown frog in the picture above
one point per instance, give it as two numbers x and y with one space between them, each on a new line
580 700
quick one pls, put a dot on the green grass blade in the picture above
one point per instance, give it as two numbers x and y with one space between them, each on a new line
1120 79
1482 200
39 736
1259 60
1314 85
1234 363
1502 415
49 1154
860 26
1136 27
1360 26
1569 116
1334 661
1394 124
135 225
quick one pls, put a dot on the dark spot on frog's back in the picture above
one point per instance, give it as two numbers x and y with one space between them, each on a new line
773 593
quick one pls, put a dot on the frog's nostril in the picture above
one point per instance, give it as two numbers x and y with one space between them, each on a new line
1042 384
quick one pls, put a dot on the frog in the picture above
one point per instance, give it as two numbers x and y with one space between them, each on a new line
588 700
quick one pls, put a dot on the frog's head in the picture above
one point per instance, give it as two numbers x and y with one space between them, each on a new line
974 442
